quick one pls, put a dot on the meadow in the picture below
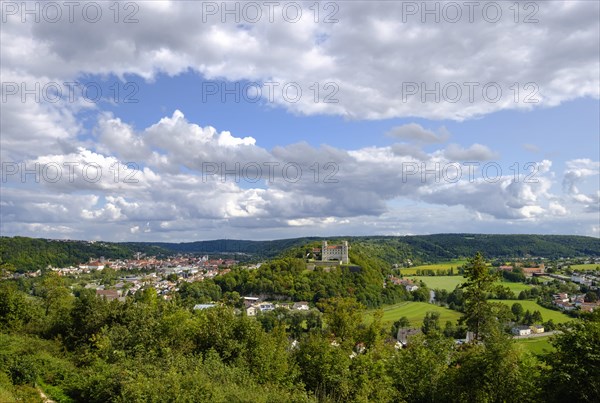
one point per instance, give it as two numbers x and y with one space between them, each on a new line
450 282
556 316
536 345
435 267
415 312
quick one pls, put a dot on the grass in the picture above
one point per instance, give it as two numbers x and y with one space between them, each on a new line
415 312
556 316
536 345
435 267
582 267
450 282
442 282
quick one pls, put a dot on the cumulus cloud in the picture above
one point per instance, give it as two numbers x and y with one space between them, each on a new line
368 75
323 187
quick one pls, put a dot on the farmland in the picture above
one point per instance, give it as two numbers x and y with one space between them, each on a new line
415 312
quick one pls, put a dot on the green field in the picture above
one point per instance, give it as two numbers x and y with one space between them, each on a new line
556 316
415 312
437 266
591 266
536 345
450 282
442 282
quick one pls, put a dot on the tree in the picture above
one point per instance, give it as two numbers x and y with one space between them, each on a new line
478 312
431 323
517 310
342 316
591 296
401 323
536 317
574 373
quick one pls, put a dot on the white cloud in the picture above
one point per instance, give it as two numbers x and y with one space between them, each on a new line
172 198
477 152
415 132
372 68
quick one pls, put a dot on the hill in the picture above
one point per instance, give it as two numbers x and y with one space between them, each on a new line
381 251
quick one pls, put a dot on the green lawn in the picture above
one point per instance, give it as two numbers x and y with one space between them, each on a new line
450 282
591 266
556 316
442 282
536 345
437 266
415 312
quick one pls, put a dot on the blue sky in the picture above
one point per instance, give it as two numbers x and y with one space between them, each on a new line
369 147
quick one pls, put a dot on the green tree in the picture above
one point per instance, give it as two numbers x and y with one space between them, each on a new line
431 323
342 316
517 310
478 312
574 373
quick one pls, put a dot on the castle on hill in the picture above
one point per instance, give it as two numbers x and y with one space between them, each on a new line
335 252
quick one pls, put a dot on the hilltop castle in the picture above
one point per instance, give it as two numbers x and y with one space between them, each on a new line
335 252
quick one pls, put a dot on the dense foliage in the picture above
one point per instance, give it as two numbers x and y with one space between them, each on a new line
77 347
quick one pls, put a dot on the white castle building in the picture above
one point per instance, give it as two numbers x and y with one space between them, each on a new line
335 252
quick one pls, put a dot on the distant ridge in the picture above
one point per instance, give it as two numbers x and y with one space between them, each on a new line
35 253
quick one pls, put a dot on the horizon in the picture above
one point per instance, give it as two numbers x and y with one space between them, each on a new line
302 237
381 118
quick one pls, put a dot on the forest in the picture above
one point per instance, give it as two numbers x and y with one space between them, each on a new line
73 346
27 254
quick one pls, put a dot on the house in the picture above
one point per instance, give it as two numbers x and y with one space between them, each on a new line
589 306
109 295
301 306
248 301
521 330
537 329
92 266
203 306
530 271
251 311
404 334
506 268
562 297
409 285
265 307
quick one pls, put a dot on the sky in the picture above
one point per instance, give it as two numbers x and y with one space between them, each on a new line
179 121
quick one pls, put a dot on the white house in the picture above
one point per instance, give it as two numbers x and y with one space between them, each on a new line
301 306
521 330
